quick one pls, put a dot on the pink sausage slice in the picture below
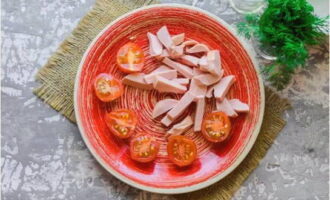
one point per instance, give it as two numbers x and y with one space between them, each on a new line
163 106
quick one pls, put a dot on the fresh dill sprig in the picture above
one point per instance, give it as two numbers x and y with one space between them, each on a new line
287 27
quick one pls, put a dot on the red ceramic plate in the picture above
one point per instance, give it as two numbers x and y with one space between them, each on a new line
214 161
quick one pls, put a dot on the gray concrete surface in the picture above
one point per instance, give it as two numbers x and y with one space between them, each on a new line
44 157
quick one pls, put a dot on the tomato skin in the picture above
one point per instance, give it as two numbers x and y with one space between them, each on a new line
181 150
144 148
105 82
216 127
121 122
130 58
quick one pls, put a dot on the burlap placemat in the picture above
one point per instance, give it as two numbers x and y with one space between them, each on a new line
57 83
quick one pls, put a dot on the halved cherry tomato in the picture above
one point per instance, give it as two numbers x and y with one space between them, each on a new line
144 148
107 88
181 150
121 122
216 127
130 58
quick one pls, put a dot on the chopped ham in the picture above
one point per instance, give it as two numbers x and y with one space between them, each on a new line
239 106
163 106
197 90
136 80
176 51
224 106
189 60
155 47
164 85
214 62
161 68
207 79
209 93
183 69
182 81
163 55
181 127
197 71
165 37
200 109
202 63
221 88
166 121
198 48
178 39
169 74
183 103
189 43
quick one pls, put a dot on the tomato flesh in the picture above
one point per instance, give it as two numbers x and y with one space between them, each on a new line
121 122
130 58
181 150
216 127
144 148
107 88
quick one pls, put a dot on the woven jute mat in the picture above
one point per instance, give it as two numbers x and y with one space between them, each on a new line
57 83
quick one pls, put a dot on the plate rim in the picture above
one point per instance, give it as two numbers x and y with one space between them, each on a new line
250 51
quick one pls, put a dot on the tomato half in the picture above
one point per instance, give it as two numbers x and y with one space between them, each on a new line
144 148
181 150
121 122
216 127
107 88
130 58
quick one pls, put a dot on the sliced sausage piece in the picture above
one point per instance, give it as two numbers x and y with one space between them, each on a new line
161 68
166 121
183 69
155 47
164 85
214 62
209 93
198 48
208 79
224 106
189 60
137 80
197 90
163 106
163 55
176 51
221 88
182 81
197 71
178 39
202 63
181 127
183 103
169 74
200 109
239 106
165 37
189 43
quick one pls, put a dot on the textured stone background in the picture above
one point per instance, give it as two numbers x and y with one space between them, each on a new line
44 157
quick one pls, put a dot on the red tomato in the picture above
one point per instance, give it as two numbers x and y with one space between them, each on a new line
107 88
130 58
121 122
181 150
216 127
144 148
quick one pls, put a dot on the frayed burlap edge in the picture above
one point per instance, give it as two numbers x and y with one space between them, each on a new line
58 75
57 83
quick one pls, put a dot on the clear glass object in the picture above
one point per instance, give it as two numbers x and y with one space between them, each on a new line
247 6
213 6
